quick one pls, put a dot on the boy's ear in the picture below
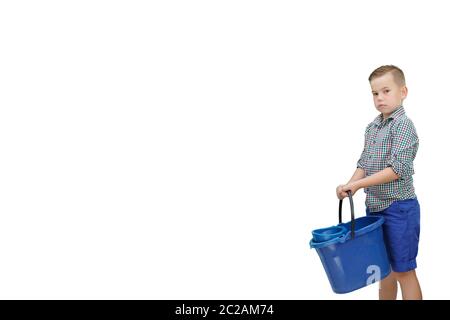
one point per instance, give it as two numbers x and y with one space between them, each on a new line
404 92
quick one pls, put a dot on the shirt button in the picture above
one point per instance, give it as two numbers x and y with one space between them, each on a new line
373 142
370 157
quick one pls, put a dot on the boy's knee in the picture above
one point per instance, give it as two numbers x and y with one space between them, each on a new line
404 275
390 278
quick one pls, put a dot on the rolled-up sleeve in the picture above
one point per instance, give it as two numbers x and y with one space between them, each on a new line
362 162
405 143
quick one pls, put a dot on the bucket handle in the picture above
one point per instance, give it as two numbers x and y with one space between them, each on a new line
352 213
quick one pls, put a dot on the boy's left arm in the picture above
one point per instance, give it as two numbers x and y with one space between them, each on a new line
383 176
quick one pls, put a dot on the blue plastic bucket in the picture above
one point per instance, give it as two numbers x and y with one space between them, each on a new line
355 257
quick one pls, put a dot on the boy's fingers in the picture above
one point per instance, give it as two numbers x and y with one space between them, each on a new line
341 194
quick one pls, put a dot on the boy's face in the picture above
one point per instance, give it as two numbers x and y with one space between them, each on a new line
387 94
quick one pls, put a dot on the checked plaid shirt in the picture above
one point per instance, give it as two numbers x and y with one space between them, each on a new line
392 142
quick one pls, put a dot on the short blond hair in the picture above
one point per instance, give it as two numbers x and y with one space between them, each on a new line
396 72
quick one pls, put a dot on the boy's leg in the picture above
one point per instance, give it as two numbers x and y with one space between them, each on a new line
388 287
401 231
410 285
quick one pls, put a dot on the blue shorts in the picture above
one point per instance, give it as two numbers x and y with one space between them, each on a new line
401 231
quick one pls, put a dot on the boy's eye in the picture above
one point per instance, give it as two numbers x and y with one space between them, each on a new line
386 91
375 93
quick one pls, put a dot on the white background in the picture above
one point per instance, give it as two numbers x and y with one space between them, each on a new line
186 149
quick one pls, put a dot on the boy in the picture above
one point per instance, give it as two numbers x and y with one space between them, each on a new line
385 171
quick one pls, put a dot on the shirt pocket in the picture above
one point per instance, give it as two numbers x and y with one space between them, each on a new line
381 137
382 144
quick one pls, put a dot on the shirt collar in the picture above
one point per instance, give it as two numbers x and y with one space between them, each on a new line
394 115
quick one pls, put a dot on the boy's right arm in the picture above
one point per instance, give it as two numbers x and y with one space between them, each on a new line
359 174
